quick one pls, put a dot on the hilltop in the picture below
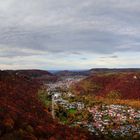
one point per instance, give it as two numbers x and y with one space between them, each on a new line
125 84
40 75
113 70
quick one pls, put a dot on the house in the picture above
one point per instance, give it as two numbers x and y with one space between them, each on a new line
80 105
56 95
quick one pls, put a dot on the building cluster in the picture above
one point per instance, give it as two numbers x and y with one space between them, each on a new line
115 119
65 83
58 100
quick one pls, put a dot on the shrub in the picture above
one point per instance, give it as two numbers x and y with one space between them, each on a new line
114 95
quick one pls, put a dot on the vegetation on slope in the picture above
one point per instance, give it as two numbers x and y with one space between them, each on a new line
126 85
22 115
40 75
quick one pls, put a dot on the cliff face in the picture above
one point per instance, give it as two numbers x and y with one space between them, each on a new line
127 84
23 117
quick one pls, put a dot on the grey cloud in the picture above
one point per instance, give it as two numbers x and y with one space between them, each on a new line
83 58
102 27
112 56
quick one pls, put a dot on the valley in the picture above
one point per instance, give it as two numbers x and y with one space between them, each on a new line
105 120
36 105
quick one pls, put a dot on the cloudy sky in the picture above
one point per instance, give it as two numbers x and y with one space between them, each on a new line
69 34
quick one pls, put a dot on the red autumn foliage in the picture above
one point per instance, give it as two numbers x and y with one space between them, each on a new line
127 84
22 115
40 75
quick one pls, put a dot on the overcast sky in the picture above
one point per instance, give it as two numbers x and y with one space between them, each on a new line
69 34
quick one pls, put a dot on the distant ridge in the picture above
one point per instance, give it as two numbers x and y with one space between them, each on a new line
94 70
